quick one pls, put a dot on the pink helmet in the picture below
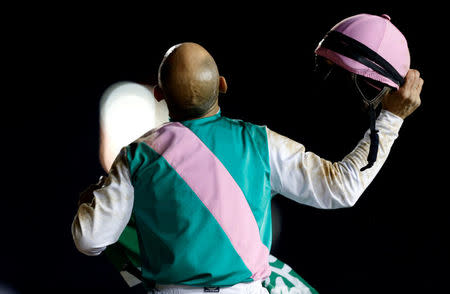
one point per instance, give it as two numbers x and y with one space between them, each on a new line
377 37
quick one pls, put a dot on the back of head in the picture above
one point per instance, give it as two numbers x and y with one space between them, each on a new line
189 79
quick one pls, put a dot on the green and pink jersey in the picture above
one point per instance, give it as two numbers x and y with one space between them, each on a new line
199 193
202 202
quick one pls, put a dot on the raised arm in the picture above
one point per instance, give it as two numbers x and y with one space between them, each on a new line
306 178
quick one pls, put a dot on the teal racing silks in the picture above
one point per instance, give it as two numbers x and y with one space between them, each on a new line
202 202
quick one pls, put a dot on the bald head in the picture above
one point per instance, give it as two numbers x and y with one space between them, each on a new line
190 81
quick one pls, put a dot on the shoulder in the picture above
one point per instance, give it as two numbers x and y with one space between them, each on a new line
141 148
155 133
245 124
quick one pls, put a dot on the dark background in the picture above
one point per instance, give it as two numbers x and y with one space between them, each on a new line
60 59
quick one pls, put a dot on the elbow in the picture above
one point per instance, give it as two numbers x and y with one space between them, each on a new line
350 202
85 242
346 200
345 190
340 199
335 201
87 246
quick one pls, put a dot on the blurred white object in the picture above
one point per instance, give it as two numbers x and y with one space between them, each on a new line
127 111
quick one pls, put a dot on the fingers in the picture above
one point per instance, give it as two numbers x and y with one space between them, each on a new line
407 99
413 84
411 80
416 87
419 86
418 90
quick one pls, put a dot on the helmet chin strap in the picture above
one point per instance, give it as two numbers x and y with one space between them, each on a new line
374 101
372 105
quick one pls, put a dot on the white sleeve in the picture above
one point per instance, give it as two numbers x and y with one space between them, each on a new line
101 222
308 179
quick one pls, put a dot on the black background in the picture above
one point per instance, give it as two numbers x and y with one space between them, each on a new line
60 59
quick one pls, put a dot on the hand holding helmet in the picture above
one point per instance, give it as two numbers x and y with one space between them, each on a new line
406 99
375 53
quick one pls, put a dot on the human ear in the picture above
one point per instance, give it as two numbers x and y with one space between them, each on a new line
158 93
223 87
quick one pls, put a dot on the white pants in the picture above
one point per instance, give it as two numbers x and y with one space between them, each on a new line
241 288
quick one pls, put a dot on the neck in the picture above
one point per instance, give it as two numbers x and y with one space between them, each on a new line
211 112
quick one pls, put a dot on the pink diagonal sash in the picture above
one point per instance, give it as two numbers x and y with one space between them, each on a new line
216 188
